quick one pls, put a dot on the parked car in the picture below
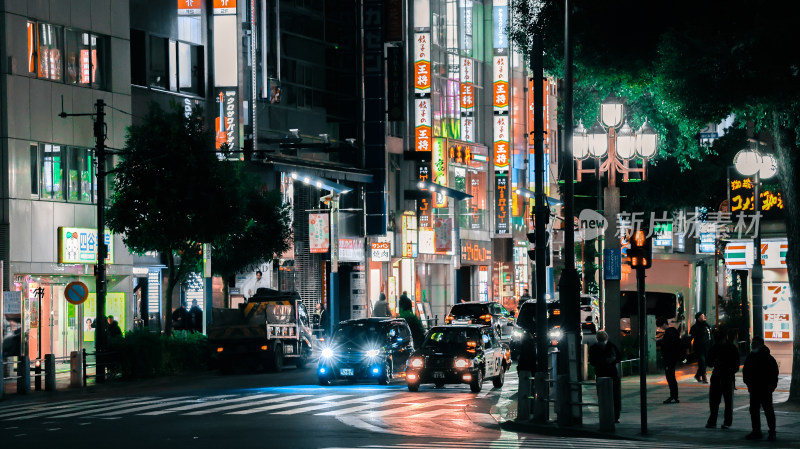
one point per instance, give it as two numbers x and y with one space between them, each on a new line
366 349
590 312
485 313
459 354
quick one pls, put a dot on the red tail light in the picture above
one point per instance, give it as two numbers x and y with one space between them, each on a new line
449 319
487 318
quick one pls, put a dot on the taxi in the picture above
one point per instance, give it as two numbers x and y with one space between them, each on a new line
459 354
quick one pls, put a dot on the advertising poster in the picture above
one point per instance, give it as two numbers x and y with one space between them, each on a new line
115 305
79 245
502 205
226 125
443 229
439 166
777 312
319 233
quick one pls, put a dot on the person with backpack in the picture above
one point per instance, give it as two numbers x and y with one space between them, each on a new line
760 374
724 357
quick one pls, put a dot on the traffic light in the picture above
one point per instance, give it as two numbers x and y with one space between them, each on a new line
640 254
532 252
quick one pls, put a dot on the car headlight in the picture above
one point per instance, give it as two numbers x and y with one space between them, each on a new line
554 334
373 352
516 334
327 353
416 363
463 363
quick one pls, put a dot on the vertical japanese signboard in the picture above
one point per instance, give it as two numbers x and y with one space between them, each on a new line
500 85
501 152
439 166
422 63
319 233
467 95
777 312
422 124
424 202
443 238
226 122
502 204
409 237
499 24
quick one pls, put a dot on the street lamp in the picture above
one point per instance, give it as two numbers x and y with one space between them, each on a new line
761 166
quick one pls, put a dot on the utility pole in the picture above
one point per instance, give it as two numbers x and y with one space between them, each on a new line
569 293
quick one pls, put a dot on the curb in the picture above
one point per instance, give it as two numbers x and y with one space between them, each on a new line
555 430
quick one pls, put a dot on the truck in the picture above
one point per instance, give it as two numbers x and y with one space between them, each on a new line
270 329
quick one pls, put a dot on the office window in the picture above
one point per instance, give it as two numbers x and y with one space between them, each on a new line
34 148
87 59
159 63
32 52
80 177
138 58
190 68
50 45
52 171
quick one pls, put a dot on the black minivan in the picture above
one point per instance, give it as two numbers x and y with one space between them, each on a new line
366 349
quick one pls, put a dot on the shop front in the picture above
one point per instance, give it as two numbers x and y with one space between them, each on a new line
474 275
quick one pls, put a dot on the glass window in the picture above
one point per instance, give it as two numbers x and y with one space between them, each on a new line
51 46
32 51
159 64
80 177
87 59
173 65
190 68
52 172
34 169
138 58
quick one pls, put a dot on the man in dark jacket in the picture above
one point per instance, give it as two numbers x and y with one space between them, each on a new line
604 356
113 331
760 374
405 303
381 308
195 315
180 318
701 338
671 348
724 357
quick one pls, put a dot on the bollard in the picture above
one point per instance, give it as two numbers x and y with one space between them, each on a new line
37 371
562 406
523 396
541 406
605 402
24 373
83 365
50 372
75 369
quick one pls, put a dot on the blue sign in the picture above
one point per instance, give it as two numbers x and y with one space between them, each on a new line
500 23
612 264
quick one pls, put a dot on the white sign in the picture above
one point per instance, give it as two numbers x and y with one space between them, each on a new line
592 224
777 312
351 250
381 249
426 241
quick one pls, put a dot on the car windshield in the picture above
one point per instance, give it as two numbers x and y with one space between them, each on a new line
527 316
473 310
359 332
449 339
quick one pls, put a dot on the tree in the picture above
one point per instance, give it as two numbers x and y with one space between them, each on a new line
172 193
684 64
264 235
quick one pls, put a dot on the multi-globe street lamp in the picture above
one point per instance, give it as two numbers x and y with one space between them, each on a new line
618 143
760 166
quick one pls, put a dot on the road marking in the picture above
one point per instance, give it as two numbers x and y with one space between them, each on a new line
284 405
411 407
435 413
115 407
360 408
159 405
29 410
231 407
338 403
196 406
51 412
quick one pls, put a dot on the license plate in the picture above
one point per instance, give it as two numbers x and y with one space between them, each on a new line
288 349
346 372
462 322
438 375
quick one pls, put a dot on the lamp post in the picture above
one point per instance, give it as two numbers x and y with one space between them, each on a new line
761 166
616 141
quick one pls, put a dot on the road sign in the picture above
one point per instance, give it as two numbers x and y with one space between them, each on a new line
76 292
612 264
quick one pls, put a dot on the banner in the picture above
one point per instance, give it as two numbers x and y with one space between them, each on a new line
319 233
422 124
501 151
439 168
777 312
502 217
500 85
422 63
443 229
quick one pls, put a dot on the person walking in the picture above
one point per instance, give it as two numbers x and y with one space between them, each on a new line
671 348
760 374
195 321
724 357
604 357
701 340
381 308
180 318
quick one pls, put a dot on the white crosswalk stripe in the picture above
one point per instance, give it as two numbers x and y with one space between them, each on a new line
290 404
161 404
206 404
331 404
526 443
265 401
60 413
42 407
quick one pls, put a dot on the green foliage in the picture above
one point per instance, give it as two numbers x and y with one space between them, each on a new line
143 354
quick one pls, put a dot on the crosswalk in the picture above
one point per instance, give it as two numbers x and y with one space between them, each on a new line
356 407
513 442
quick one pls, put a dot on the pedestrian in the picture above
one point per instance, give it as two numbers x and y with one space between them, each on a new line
180 317
404 303
724 357
381 308
195 321
760 374
113 331
323 319
671 354
702 342
259 283
604 357
525 297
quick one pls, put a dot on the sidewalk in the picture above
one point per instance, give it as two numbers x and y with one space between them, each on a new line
675 423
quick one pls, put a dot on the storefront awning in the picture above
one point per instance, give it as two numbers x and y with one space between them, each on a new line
446 191
322 169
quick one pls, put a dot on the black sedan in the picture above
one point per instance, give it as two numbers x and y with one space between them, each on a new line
459 354
366 349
